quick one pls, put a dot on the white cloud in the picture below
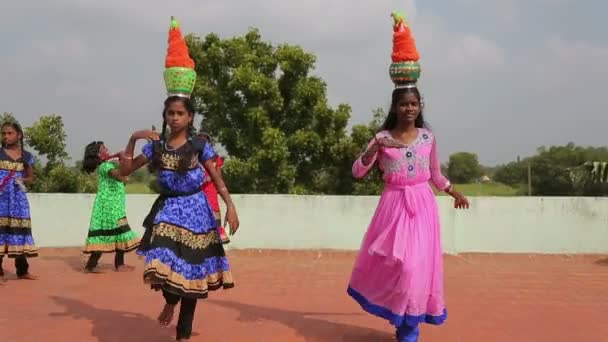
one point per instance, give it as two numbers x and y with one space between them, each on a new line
473 51
54 51
352 41
500 11
554 2
562 64
455 55
70 55
303 20
68 47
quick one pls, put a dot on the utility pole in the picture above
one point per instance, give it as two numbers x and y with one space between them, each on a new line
529 179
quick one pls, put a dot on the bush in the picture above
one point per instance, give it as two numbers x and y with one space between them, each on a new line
153 185
59 179
464 167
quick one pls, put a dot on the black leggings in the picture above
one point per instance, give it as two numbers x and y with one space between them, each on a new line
119 260
21 265
186 313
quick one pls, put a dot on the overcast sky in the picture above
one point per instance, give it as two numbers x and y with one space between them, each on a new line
500 77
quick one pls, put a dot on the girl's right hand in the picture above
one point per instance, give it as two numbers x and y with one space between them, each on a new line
232 219
387 142
145 134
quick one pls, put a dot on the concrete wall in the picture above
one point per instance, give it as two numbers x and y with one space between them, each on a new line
509 225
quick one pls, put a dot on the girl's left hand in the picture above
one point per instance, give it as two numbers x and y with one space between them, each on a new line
460 202
145 134
233 219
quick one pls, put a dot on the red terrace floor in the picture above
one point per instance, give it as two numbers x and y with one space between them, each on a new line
300 296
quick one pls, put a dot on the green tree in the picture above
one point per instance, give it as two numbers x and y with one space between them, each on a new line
464 167
7 117
270 114
140 176
153 185
558 171
591 178
87 183
360 137
47 137
513 173
59 179
551 169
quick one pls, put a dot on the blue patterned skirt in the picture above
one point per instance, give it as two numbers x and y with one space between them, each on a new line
15 224
182 249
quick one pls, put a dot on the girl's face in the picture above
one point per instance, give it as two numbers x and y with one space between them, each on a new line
407 108
177 116
10 136
104 153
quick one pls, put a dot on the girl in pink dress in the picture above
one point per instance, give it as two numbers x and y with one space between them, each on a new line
398 274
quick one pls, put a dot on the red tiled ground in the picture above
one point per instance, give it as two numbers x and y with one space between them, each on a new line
300 296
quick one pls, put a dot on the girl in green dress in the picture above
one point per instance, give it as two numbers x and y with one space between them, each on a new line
109 229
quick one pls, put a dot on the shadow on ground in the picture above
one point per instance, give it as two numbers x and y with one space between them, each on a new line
114 326
78 261
75 262
313 326
602 262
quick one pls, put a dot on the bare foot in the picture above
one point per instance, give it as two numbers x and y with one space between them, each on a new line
2 281
166 316
28 276
125 268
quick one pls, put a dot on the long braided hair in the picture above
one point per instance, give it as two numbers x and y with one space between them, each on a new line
17 127
187 151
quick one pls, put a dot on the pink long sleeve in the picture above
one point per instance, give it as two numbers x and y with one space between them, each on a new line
360 170
437 178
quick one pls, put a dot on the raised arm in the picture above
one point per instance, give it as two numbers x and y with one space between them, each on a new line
128 164
437 178
366 160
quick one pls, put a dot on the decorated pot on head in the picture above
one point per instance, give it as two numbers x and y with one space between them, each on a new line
179 74
405 69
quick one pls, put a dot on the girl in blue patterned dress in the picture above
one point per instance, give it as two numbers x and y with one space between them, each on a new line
16 239
183 254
